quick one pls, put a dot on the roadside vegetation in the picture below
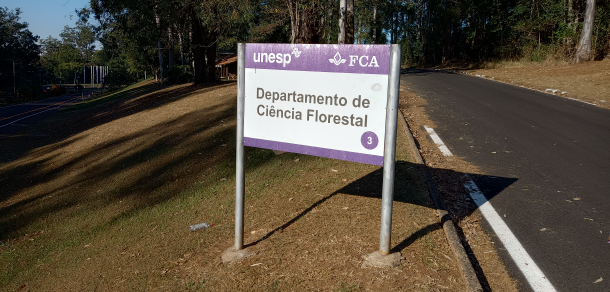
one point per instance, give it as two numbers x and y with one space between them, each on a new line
179 41
100 196
104 201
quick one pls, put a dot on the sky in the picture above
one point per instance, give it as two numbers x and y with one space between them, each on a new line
47 17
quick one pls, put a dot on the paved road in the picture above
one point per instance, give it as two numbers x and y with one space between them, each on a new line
13 118
557 149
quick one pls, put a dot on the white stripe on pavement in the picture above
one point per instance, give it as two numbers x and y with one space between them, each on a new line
528 267
438 141
534 276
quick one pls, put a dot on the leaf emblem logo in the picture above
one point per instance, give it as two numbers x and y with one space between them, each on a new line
337 59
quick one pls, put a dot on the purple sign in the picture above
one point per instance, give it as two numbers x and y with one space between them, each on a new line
363 59
369 140
315 151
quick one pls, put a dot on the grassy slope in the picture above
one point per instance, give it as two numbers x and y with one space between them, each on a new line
105 200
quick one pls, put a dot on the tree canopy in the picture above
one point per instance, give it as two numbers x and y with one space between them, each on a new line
18 48
185 37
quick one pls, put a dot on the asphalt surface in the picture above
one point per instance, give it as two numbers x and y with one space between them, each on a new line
16 117
557 149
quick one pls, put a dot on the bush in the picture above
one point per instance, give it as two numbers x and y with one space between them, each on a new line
56 90
179 74
29 92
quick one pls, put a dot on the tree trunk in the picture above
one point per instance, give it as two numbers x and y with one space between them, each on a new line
170 49
583 53
569 21
199 64
374 26
349 24
159 48
342 21
181 51
305 21
211 54
329 24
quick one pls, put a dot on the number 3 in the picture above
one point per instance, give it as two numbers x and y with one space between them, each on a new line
370 140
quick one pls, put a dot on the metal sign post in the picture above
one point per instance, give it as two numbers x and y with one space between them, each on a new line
389 157
341 119
239 154
237 251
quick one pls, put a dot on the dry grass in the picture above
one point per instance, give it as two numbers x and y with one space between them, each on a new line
589 81
100 197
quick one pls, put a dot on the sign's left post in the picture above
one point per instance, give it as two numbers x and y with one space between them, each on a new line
239 153
237 252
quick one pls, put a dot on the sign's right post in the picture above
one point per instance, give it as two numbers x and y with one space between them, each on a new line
389 159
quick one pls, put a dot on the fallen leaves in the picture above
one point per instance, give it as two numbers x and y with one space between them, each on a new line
598 280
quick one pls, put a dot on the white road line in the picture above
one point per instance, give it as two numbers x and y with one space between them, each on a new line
528 267
32 115
438 141
525 263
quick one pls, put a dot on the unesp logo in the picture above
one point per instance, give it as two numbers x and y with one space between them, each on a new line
296 52
275 58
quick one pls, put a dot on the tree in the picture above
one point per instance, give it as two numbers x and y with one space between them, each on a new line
583 53
19 52
306 22
66 57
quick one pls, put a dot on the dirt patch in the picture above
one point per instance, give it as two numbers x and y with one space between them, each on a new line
448 173
104 200
588 81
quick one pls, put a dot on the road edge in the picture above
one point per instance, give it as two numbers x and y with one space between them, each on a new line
582 99
451 234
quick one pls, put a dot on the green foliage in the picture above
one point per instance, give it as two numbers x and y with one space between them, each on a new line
17 47
435 31
29 92
119 74
65 58
179 75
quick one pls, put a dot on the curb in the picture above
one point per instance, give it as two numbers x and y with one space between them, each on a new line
448 226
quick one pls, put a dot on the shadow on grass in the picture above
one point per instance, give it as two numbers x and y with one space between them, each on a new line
370 186
73 122
157 159
36 174
100 111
